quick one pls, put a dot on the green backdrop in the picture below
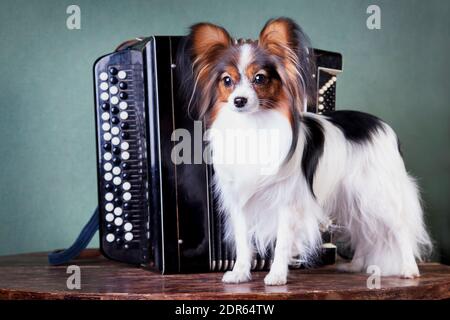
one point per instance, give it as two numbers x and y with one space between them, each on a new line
47 160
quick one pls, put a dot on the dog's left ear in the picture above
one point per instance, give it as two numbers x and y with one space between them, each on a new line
283 38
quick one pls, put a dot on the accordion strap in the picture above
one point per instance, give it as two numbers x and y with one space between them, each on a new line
63 256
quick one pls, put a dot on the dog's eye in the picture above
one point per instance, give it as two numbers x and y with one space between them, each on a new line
227 82
260 79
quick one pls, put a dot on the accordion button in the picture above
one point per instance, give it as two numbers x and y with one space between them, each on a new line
119 241
104 96
122 74
106 126
107 136
117 191
116 161
123 105
107 166
118 211
126 186
116 171
109 217
105 106
104 86
109 206
114 110
124 125
113 71
107 156
103 76
107 146
113 80
128 226
115 141
124 115
115 130
108 176
113 89
110 237
125 175
123 85
126 216
125 165
105 116
125 135
115 120
127 206
108 187
114 100
117 202
109 196
117 181
128 236
127 196
123 95
124 145
125 155
116 150
109 227
118 221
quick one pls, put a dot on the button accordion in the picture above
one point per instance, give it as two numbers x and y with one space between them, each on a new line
153 212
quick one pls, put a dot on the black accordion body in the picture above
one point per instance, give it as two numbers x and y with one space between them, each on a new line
153 212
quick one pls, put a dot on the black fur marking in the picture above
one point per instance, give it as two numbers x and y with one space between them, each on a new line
356 126
313 149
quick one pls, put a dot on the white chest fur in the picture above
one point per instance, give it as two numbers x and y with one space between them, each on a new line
248 147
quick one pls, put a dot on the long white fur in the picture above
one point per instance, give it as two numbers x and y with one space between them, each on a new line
363 187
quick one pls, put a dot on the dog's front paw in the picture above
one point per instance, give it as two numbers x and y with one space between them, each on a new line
275 278
410 272
235 277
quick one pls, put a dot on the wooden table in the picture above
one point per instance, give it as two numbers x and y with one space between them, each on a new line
28 276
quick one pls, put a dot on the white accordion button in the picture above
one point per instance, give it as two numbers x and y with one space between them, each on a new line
128 226
128 236
125 145
109 196
110 237
103 76
108 176
118 211
109 217
114 100
107 156
107 166
116 171
126 186
104 86
320 99
115 130
117 181
125 155
109 206
118 221
113 90
320 106
127 196
124 115
122 74
104 96
115 141
106 126
105 116
107 136
123 105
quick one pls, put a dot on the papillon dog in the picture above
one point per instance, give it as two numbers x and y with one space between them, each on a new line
344 167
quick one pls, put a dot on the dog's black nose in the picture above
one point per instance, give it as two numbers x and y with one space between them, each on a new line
240 102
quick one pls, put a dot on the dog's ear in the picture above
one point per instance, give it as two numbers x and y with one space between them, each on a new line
208 40
283 38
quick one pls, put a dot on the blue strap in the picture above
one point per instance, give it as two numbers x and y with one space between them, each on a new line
85 236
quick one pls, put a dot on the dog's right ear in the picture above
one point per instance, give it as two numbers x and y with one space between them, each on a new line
208 41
